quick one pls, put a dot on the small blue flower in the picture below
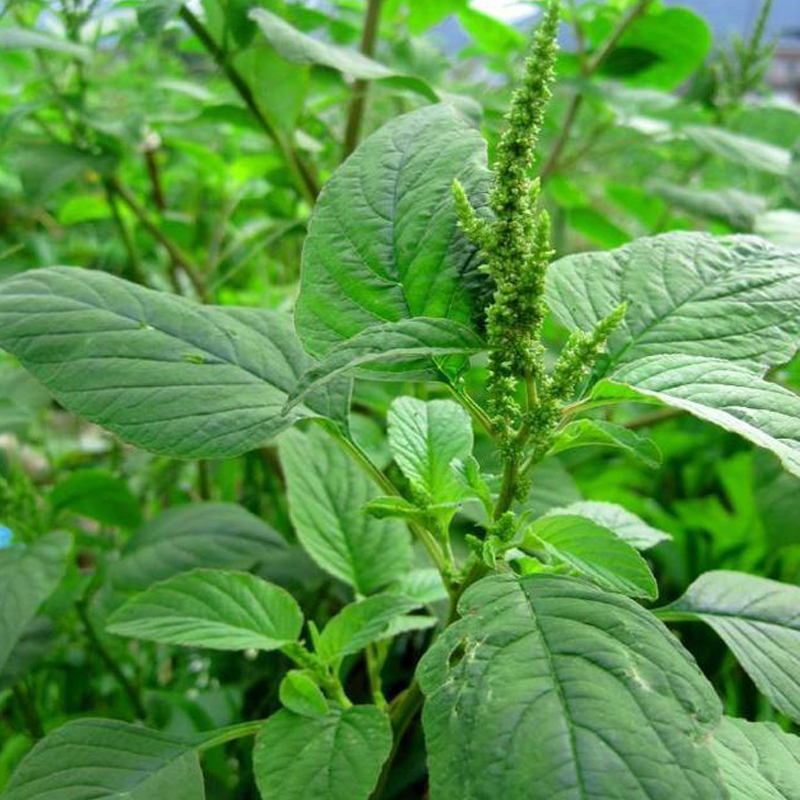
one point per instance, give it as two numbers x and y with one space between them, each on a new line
5 536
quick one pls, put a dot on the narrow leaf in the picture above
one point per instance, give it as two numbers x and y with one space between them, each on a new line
596 432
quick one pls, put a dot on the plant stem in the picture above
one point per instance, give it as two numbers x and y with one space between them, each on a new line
26 704
232 732
355 113
108 660
589 68
475 410
134 264
374 664
305 180
175 253
653 418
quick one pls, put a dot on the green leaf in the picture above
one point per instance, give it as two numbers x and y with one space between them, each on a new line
158 370
553 487
758 760
596 227
734 297
422 585
758 620
99 495
597 432
595 551
383 243
327 490
338 756
109 760
220 535
727 395
83 208
299 693
214 609
390 342
29 574
781 227
741 150
12 38
422 16
426 437
626 525
358 624
489 34
614 704
732 206
36 641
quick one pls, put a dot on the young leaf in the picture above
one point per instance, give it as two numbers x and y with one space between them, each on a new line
160 371
626 525
327 491
299 693
597 432
735 298
425 438
212 608
338 756
595 551
219 535
741 150
109 760
547 682
383 243
758 619
360 623
28 576
725 394
758 760
388 343
99 495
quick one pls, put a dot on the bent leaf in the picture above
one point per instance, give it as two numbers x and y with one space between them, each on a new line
742 150
337 756
158 370
599 433
759 621
99 495
212 608
547 687
109 760
383 243
595 551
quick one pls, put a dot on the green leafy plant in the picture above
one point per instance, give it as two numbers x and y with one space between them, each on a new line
541 666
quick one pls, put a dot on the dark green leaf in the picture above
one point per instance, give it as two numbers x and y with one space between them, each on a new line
98 495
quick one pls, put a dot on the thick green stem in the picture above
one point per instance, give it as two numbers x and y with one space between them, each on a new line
232 732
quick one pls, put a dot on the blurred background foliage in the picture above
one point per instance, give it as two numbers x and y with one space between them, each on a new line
182 147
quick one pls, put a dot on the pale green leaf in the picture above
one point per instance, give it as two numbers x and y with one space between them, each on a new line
781 227
630 528
160 371
360 623
594 551
29 574
759 620
758 760
599 433
327 491
423 585
550 688
105 759
13 38
336 757
725 394
741 150
221 535
735 297
383 243
425 438
733 206
214 609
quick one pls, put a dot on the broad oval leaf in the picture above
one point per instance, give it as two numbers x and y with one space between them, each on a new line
595 551
625 524
723 393
108 760
550 689
220 535
29 574
158 370
759 620
425 438
212 608
327 491
383 243
99 495
337 756
735 298
758 760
